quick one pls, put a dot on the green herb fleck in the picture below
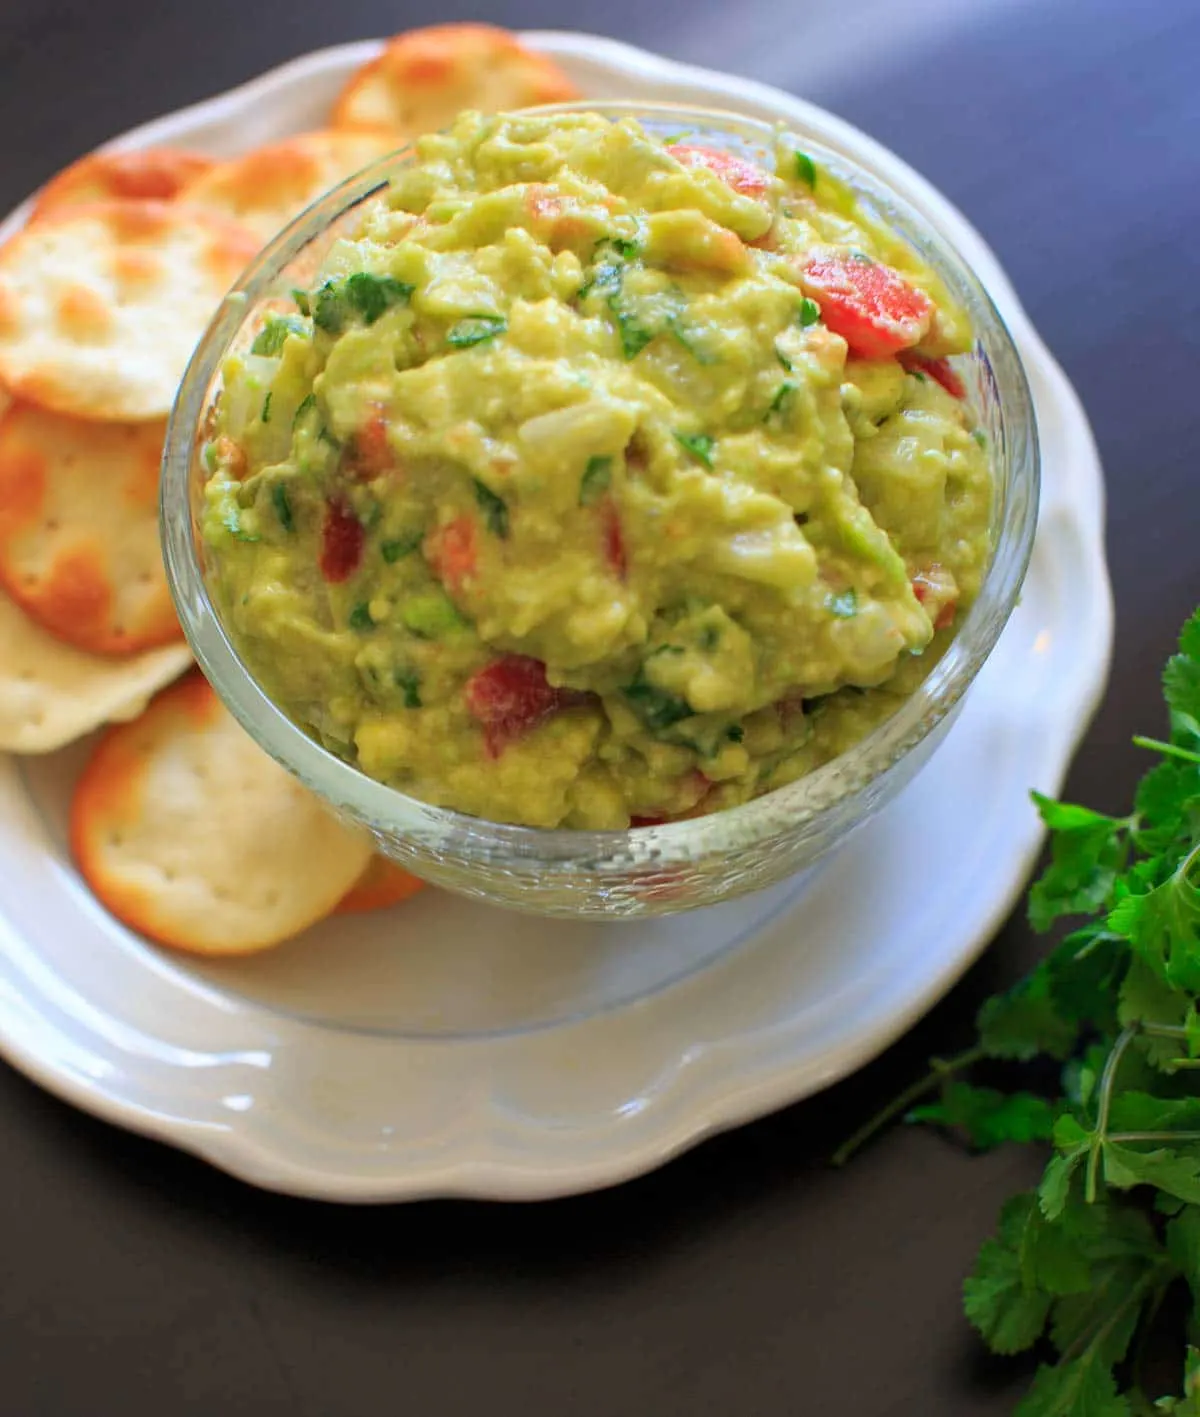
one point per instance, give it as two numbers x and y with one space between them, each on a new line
330 310
783 359
273 335
810 313
782 394
806 169
360 617
735 733
307 402
494 509
301 299
476 329
400 547
656 708
265 415
980 437
597 477
283 506
409 682
373 295
634 335
231 520
700 445
710 637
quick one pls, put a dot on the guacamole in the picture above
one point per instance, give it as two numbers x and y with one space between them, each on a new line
598 481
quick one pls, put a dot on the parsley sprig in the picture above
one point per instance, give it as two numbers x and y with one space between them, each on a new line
1087 1259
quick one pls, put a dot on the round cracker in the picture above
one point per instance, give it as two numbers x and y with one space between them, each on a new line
79 545
189 833
51 694
149 174
266 188
424 78
102 305
383 883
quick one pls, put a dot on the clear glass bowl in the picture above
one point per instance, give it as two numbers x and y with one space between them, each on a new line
651 870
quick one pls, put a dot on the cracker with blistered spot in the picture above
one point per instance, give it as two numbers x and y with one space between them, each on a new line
79 544
382 884
266 188
189 833
51 694
149 174
424 78
102 305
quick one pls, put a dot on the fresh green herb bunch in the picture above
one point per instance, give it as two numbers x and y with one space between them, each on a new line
1087 1260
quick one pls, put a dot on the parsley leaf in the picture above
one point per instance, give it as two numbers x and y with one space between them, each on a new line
360 617
408 681
810 313
806 169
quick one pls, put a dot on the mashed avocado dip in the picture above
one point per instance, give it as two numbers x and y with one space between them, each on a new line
598 481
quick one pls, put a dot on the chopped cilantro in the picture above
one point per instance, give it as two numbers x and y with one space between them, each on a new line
283 506
595 482
329 310
806 169
843 604
980 437
735 733
360 617
265 415
810 313
656 708
494 509
409 682
687 339
301 299
400 547
634 335
475 329
783 359
372 295
782 394
307 402
700 445
273 335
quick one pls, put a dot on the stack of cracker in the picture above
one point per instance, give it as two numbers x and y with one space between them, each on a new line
184 829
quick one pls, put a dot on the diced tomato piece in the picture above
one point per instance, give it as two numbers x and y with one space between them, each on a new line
341 542
936 589
744 177
871 306
451 552
614 540
370 452
937 369
512 695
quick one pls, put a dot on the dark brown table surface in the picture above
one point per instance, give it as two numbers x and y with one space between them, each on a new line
747 1278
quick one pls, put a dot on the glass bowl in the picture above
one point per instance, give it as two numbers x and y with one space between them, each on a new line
648 870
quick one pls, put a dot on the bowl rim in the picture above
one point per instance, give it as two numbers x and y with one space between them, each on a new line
800 804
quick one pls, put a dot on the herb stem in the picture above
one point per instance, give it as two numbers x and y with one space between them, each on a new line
1170 750
939 1070
1107 1080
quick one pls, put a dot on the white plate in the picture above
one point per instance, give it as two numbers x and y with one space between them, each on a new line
445 1048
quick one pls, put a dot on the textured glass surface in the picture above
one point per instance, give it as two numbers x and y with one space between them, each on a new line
651 870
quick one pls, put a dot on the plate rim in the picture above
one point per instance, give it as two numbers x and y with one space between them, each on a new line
697 1111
